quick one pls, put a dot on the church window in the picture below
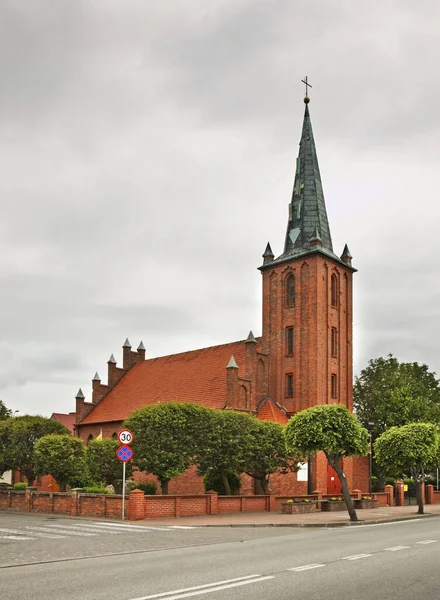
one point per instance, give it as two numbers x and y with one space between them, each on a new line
334 342
290 290
89 439
289 385
289 341
114 436
334 291
334 385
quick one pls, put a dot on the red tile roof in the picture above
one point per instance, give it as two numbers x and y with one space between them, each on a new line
270 411
67 420
198 376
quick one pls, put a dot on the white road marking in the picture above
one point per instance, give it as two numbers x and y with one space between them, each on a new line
65 531
306 567
427 542
15 537
21 532
207 587
396 548
133 527
181 527
356 556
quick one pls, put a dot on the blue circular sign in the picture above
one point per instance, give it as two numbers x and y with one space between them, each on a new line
124 453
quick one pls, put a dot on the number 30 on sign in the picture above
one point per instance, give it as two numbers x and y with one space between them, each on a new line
125 437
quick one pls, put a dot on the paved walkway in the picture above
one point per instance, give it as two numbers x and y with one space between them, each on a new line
318 519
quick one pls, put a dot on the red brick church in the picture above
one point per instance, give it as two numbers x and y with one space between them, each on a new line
303 358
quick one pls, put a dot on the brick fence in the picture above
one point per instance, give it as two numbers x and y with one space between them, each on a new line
139 506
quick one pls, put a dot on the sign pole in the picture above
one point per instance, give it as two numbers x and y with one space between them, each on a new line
123 490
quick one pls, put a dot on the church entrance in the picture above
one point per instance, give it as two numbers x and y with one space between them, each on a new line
334 486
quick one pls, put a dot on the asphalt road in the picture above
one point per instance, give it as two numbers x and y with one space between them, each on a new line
365 562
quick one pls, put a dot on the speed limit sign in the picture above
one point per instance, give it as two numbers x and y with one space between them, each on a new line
125 437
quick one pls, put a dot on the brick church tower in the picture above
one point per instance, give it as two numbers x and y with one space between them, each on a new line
307 299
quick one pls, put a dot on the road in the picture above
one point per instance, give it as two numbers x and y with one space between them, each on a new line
94 560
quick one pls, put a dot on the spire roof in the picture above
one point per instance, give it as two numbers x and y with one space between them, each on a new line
96 377
80 394
307 212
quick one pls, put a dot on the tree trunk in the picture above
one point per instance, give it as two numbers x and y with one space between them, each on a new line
164 487
345 491
226 485
419 495
30 476
265 485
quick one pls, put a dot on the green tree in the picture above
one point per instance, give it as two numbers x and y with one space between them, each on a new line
18 437
409 449
103 465
63 457
5 413
228 445
267 452
335 431
167 437
388 393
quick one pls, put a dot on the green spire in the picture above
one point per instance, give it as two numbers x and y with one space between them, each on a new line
307 212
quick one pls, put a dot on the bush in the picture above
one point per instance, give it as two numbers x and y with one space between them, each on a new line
95 489
213 481
22 485
148 487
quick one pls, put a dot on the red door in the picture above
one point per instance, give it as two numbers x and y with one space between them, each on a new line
333 484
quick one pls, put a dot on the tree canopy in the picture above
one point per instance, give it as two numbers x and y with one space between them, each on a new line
167 437
409 449
18 437
5 412
63 457
332 429
389 393
267 452
103 465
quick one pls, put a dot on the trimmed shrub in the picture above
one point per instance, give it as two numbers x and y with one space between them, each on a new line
20 486
95 489
148 487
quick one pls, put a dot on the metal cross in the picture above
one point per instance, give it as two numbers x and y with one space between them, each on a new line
306 84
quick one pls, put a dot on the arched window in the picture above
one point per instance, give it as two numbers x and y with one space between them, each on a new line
334 291
89 439
114 436
290 290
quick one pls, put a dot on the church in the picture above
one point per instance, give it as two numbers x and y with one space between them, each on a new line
303 358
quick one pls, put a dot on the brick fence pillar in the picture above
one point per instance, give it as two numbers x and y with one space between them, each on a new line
272 504
389 490
213 503
28 497
318 494
429 494
400 494
177 504
136 505
357 494
74 503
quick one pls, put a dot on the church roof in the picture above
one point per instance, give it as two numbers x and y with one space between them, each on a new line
269 410
197 376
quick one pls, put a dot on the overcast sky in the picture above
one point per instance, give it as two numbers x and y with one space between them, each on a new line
148 154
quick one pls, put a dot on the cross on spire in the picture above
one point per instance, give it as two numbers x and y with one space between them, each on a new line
307 84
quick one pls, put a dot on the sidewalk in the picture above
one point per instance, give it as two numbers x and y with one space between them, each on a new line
382 514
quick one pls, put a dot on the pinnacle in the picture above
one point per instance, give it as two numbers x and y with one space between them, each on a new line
112 359
141 346
251 337
80 394
232 364
96 377
126 344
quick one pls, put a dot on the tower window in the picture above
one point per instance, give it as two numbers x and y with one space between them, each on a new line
289 385
289 341
334 342
334 386
89 439
334 291
290 290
